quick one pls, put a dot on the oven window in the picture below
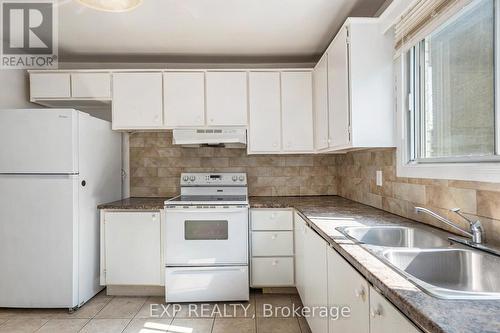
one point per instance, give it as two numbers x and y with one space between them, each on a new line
205 230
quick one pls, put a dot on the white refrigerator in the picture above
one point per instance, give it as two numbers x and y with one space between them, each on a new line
56 166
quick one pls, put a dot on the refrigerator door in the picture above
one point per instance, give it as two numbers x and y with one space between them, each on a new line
39 241
39 141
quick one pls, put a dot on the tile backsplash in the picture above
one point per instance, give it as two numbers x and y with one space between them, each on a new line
156 165
356 172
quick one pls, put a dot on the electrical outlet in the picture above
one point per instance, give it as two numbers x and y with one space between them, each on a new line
379 178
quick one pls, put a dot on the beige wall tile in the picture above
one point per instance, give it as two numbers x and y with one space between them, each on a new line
401 195
488 204
450 197
156 166
409 192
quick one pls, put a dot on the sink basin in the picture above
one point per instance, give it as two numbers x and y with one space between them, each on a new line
449 273
395 236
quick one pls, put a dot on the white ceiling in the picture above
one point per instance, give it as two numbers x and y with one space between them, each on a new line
292 29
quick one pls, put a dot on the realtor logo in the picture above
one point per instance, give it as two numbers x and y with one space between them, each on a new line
29 36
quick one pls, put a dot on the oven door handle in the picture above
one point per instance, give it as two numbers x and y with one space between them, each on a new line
206 210
208 269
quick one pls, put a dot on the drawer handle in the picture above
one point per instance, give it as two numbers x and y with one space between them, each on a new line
273 237
360 293
275 262
376 313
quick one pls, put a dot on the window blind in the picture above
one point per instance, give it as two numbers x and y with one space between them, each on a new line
422 18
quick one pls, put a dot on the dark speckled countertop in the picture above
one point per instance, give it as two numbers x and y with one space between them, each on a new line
136 203
324 214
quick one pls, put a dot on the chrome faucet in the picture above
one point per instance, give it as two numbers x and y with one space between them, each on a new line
476 228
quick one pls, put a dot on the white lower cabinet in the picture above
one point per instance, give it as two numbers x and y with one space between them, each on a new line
347 288
316 280
131 248
272 249
300 269
325 279
384 317
312 274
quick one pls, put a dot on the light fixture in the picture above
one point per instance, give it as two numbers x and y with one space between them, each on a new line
111 5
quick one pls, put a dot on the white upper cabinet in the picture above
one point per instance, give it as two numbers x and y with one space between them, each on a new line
360 87
91 85
338 86
265 112
226 98
50 85
320 102
184 98
137 100
296 112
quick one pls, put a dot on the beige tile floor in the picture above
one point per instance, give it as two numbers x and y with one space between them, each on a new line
107 314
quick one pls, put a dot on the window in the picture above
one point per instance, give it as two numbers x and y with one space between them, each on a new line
450 78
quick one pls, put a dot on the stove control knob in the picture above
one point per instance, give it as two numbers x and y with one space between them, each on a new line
235 178
242 178
192 178
185 178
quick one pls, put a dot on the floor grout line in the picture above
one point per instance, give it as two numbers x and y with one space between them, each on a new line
128 324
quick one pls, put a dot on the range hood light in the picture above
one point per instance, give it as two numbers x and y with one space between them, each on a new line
111 5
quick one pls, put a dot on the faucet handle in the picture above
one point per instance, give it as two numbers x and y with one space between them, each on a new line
459 213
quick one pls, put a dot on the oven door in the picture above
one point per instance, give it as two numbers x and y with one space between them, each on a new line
206 236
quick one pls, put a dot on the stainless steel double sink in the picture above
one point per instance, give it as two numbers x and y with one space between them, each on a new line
434 264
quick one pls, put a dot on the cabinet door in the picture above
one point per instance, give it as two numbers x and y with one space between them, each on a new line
184 98
348 288
384 317
91 85
265 112
132 248
338 90
297 118
137 100
299 235
227 98
320 102
316 279
50 85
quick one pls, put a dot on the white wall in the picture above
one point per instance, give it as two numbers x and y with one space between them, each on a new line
14 89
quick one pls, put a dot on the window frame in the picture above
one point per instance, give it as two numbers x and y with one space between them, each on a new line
474 168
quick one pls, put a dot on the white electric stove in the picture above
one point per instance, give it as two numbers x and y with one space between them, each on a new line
206 237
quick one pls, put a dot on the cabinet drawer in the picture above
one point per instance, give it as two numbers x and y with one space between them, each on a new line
271 219
272 243
272 272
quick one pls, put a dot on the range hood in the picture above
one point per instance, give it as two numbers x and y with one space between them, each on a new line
219 137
